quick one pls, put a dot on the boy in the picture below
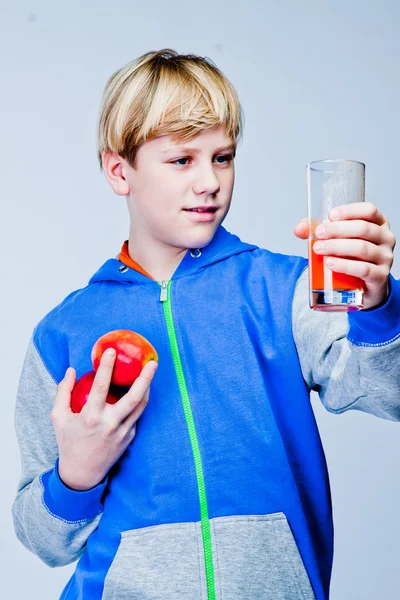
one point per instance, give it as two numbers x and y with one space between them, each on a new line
220 489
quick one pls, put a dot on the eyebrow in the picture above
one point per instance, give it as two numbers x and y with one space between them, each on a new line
196 150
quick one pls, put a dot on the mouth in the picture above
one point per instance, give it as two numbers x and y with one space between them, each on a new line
202 214
202 209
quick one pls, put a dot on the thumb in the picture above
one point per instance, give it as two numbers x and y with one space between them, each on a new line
302 229
62 400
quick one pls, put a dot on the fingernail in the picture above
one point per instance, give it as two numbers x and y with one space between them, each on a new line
67 372
320 231
110 352
154 368
319 246
335 213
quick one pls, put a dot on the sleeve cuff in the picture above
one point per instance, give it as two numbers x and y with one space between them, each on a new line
378 326
71 505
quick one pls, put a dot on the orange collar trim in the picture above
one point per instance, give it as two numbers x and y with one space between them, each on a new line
127 260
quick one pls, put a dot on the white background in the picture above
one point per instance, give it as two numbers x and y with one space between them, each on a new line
316 80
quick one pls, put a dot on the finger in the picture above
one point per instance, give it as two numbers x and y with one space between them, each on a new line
101 383
302 229
129 423
363 230
128 434
372 275
358 210
62 401
125 406
356 249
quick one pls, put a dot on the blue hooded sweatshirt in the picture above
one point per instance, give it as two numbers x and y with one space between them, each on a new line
224 491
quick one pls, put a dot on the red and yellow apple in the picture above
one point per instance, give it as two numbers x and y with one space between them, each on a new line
133 352
82 387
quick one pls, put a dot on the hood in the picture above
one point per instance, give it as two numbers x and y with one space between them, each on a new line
223 245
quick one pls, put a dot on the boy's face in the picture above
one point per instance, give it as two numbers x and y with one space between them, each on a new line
169 178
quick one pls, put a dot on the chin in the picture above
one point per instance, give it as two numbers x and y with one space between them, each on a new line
202 238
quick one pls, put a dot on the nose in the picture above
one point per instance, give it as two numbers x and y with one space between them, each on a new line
206 181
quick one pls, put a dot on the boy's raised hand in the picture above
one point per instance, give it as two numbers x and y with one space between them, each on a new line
91 441
359 242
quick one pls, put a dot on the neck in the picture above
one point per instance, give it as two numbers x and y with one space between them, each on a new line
156 259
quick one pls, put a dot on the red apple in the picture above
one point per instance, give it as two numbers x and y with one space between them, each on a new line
133 352
82 388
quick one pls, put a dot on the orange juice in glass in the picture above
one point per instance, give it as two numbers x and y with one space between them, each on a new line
331 183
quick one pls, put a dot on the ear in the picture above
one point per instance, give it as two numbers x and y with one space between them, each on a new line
113 167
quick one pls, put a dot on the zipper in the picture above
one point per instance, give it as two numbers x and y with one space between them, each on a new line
164 291
165 297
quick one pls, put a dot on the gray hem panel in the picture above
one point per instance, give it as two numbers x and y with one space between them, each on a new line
255 558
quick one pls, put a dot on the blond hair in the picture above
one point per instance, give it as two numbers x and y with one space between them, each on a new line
165 93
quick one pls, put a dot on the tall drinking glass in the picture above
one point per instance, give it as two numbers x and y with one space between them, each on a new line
331 183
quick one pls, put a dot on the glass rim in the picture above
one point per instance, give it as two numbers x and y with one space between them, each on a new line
331 160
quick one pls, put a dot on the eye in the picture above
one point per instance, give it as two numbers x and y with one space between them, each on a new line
226 158
178 161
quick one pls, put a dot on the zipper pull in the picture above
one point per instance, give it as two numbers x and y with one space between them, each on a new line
164 292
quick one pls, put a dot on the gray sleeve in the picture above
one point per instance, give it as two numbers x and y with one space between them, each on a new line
346 376
54 540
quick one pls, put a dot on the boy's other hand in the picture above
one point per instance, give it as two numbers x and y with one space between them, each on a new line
91 441
358 242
